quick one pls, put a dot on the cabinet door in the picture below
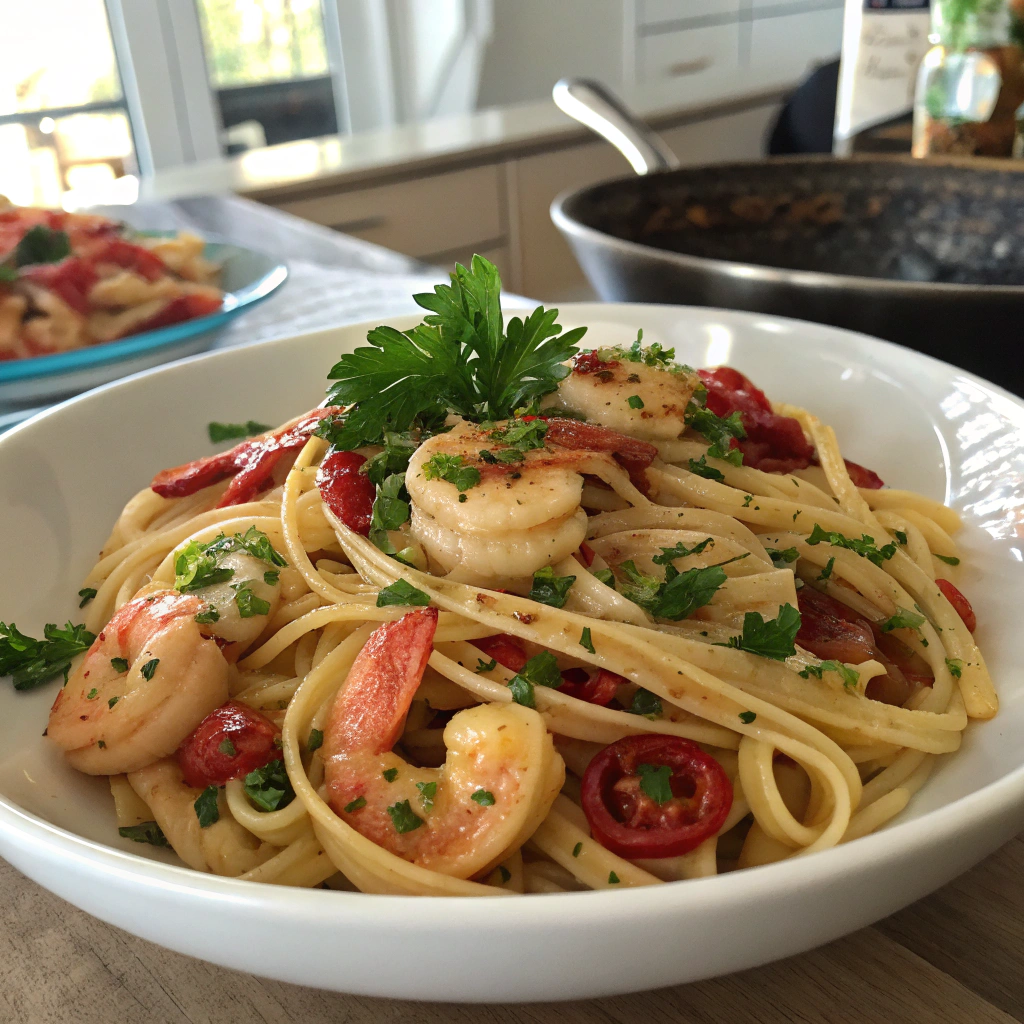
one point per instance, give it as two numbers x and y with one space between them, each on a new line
549 270
793 44
688 53
420 217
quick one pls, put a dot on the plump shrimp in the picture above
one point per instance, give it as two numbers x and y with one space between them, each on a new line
497 784
521 515
642 401
154 673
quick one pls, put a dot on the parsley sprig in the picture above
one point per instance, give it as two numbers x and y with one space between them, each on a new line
769 638
462 358
680 594
864 546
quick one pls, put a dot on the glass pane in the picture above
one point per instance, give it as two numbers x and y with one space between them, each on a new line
268 66
254 41
70 63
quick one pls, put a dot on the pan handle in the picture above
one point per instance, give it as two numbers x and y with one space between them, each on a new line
591 104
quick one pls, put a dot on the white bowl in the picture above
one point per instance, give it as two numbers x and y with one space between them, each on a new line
919 423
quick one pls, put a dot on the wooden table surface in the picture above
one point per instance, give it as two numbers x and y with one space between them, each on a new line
955 956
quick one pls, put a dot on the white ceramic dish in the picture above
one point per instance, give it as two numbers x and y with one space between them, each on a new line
922 424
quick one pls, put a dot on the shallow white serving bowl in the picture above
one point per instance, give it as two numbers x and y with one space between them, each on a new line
920 423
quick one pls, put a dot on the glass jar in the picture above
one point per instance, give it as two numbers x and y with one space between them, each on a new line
970 83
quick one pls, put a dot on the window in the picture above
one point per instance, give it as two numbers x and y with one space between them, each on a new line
63 122
267 63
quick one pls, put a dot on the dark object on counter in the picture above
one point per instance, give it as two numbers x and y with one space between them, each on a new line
807 118
929 254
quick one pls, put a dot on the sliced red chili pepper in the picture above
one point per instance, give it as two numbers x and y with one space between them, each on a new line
135 258
586 554
625 819
71 279
228 744
348 493
596 686
960 604
504 649
251 463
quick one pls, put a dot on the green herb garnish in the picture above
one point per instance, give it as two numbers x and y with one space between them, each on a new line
390 774
746 717
865 546
541 670
483 797
206 807
360 801
41 244
119 664
30 662
948 559
771 638
645 703
269 787
404 818
316 740
453 469
700 467
235 431
88 593
586 642
145 832
550 589
401 592
850 676
656 782
903 619
428 790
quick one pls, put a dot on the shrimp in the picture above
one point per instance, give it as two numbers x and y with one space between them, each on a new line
642 401
499 780
154 673
522 515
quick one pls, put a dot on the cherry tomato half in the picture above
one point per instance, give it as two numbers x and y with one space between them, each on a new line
596 686
348 493
960 604
625 819
228 744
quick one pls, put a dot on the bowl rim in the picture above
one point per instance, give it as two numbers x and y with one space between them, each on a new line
900 840
567 221
102 353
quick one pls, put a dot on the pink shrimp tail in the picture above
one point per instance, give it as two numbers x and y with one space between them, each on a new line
370 710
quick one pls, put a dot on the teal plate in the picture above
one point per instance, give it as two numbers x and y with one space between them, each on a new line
247 278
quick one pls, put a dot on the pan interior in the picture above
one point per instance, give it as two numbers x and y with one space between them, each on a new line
893 219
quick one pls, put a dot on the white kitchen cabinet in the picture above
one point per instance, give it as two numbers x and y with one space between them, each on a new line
424 217
793 44
688 53
653 12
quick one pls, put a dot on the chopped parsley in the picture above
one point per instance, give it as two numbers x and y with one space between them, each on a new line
486 666
781 559
605 576
235 431
517 438
269 787
653 355
92 694
771 638
550 589
679 595
576 849
700 467
30 662
252 542
272 577
955 666
746 717
635 402
865 546
656 782
504 873
401 592
247 601
227 748
613 879
149 669
195 569
88 593
903 619
390 511
404 818
119 664
669 555
112 701
645 703
827 571
948 559
428 790
541 670
360 801
586 642
452 469
850 676
316 740
390 774
718 430
901 537
41 244
483 797
747 499
208 616
206 807
145 832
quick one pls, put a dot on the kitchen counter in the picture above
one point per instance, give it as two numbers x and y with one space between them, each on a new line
339 161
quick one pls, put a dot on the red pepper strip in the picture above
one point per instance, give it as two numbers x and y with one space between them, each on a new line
832 631
585 555
177 311
348 493
960 604
71 280
503 649
862 477
251 463
594 686
135 258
